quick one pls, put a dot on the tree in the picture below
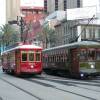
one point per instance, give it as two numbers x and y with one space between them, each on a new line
7 34
49 36
27 31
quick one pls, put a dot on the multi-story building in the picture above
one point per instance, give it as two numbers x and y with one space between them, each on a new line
54 5
73 31
12 10
65 32
18 14
33 17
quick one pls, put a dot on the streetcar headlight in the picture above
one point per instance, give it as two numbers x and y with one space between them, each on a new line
82 75
32 66
92 66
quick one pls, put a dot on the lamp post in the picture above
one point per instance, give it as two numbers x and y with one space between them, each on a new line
21 23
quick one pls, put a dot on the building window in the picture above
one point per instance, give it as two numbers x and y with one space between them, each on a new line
45 5
65 5
64 30
24 12
90 33
93 33
78 3
84 34
56 5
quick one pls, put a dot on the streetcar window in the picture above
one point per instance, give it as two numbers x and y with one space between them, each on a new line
24 56
31 56
91 54
48 59
54 58
51 58
58 58
12 57
98 55
83 55
38 56
4 59
61 58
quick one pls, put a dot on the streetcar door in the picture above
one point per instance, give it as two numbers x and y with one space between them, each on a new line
74 61
17 61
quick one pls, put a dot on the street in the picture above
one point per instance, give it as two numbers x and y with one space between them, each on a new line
46 87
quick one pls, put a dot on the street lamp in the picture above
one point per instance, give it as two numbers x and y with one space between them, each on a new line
21 23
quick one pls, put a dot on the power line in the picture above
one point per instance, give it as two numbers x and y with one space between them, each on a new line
84 28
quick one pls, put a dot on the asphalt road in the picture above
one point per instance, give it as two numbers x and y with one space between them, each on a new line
46 87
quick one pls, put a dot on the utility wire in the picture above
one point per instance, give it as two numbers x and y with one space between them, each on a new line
85 27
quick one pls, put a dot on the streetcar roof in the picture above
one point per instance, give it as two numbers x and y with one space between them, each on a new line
76 44
23 47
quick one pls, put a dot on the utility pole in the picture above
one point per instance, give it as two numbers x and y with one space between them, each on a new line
21 28
21 24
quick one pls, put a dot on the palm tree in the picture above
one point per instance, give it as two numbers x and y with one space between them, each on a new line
7 33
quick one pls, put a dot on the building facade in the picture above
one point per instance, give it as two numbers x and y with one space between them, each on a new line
33 17
73 31
54 5
65 32
12 10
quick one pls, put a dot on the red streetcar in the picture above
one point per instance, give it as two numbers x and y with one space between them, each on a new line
23 58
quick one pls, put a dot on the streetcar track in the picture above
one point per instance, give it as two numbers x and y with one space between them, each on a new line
93 81
52 86
88 89
71 83
41 83
29 93
65 82
77 94
1 98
